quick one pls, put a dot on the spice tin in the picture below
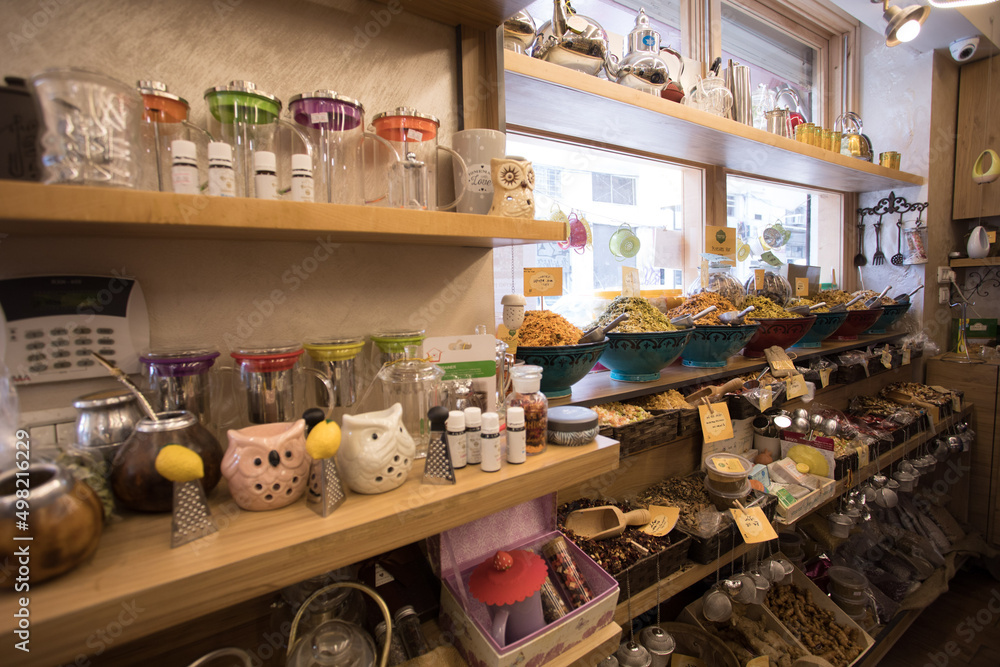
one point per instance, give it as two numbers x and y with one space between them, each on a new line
572 426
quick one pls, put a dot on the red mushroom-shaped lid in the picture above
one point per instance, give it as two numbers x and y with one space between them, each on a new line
508 577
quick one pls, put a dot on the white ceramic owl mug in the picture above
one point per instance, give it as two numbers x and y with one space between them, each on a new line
513 187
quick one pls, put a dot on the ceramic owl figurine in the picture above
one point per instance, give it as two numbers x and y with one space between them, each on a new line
267 465
513 188
376 451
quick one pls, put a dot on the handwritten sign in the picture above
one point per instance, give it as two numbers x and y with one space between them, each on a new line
715 422
801 287
758 279
886 357
766 398
824 376
720 241
543 281
630 281
508 336
663 520
753 525
728 464
795 386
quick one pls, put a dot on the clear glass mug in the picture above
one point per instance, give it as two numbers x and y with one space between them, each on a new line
248 119
165 120
409 131
335 126
91 128
270 386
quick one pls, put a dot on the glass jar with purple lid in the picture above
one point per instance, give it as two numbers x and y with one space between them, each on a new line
179 379
335 126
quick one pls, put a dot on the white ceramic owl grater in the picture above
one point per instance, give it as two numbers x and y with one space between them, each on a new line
192 518
325 493
513 187
438 468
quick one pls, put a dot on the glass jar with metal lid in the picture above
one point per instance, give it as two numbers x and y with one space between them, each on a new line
267 380
410 131
180 379
336 359
415 384
165 120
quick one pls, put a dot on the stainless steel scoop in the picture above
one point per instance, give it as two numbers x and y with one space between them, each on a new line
687 321
877 300
805 310
596 335
905 298
733 317
841 307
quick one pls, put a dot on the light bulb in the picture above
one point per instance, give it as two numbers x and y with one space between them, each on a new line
908 31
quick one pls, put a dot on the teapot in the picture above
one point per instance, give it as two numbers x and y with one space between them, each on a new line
574 41
642 68
853 142
508 583
519 32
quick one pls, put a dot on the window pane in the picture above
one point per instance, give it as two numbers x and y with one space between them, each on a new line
607 190
617 17
783 225
776 59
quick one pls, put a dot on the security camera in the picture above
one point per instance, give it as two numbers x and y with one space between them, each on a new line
963 49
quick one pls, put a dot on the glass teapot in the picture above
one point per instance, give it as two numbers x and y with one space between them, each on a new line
337 643
711 95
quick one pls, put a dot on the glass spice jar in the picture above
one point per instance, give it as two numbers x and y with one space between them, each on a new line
527 382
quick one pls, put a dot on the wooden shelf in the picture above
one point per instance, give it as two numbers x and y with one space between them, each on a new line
550 98
481 13
256 553
592 650
966 262
32 209
597 388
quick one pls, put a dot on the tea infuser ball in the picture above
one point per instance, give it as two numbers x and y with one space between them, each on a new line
513 310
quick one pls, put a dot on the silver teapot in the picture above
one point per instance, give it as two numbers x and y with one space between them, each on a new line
574 41
519 32
642 67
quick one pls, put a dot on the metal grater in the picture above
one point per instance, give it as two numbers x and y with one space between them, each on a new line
331 492
437 467
192 519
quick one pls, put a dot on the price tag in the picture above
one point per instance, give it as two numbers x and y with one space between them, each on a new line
991 236
414 135
508 336
886 357
801 287
824 377
720 241
704 274
630 281
863 454
319 118
956 402
766 397
795 386
681 660
753 525
758 279
906 355
543 281
728 464
663 520
715 422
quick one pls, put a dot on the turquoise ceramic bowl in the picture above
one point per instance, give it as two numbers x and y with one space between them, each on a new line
890 315
711 346
639 357
822 328
563 365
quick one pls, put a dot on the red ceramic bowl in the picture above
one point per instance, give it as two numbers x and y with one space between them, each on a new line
781 332
857 322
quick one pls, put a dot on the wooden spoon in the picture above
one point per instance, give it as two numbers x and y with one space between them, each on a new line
600 523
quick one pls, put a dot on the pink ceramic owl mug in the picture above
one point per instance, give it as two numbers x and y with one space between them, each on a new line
267 465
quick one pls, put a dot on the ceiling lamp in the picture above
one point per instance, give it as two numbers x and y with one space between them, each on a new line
903 24
946 4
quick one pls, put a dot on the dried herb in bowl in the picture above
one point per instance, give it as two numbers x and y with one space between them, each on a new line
543 328
643 317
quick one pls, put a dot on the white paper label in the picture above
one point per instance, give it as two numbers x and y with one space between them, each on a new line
414 135
321 118
480 179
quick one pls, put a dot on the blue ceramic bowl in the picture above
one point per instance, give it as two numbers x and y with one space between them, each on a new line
639 357
822 328
711 346
890 315
562 365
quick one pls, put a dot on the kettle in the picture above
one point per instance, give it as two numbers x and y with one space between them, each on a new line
642 67
853 143
573 40
519 32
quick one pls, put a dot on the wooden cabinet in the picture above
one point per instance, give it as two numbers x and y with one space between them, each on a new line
978 129
981 384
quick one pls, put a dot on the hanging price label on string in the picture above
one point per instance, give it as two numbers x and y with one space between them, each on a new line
543 281
766 398
801 287
753 525
715 422
630 281
795 386
663 521
824 376
886 357
508 336
704 274
758 279
906 354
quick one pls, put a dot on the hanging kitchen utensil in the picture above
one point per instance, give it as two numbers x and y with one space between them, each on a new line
600 523
624 243
897 259
578 234
861 259
878 259
915 238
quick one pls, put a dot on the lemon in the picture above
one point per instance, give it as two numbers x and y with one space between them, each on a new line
324 440
179 464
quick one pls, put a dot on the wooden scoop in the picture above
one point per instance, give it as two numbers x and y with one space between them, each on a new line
600 523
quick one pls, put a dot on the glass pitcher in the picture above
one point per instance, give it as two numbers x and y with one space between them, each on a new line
91 128
180 380
270 385
165 120
415 384
248 120
409 131
335 125
336 360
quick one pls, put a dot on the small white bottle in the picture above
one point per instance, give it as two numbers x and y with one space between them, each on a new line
221 177
490 440
516 440
302 177
184 167
455 429
473 430
265 179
